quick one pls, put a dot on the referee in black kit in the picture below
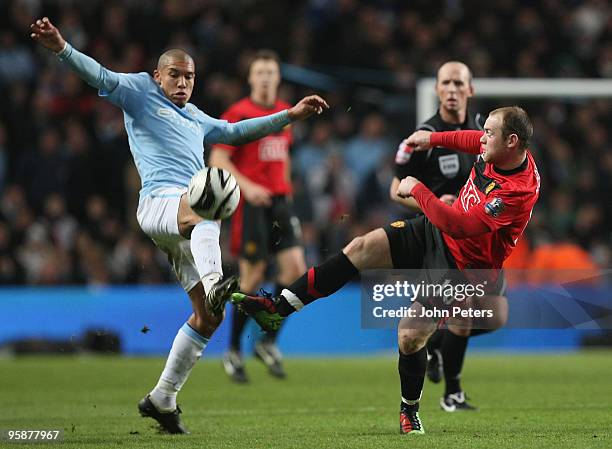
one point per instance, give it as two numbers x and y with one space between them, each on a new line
445 171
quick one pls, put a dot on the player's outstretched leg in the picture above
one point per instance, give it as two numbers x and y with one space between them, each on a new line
317 282
369 251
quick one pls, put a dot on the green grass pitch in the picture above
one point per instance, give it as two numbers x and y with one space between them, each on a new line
542 401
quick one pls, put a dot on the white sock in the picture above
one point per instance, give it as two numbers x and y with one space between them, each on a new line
207 252
186 350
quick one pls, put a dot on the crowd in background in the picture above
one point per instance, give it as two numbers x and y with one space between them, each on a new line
69 189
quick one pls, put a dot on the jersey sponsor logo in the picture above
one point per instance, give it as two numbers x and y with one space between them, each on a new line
449 165
469 195
177 119
494 207
398 224
273 148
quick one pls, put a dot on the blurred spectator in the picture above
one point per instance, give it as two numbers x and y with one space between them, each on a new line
16 60
364 152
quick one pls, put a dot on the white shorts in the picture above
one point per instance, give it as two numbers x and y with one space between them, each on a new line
157 215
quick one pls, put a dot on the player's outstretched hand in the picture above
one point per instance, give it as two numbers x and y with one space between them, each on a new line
419 140
307 106
404 190
43 32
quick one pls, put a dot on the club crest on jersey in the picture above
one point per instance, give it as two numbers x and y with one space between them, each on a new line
449 165
494 207
250 248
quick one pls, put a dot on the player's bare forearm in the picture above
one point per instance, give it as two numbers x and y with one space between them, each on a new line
467 141
451 221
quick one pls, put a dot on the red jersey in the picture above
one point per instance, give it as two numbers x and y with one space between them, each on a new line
501 199
263 161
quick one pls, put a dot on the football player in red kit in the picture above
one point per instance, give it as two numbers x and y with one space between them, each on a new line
264 223
477 232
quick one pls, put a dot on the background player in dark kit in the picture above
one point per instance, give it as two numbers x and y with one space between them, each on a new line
264 224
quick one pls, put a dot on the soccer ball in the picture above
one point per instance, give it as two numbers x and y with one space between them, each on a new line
213 193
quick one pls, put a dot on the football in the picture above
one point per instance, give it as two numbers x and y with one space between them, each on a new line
213 193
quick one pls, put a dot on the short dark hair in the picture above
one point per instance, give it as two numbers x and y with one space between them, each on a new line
515 121
173 53
266 55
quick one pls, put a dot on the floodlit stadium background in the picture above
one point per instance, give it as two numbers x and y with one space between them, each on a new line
69 244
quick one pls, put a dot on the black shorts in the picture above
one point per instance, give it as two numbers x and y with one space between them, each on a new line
258 231
417 244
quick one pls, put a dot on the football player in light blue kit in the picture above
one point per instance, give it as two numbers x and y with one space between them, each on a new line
166 136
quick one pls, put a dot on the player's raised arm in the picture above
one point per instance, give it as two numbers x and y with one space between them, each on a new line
92 72
246 131
447 219
467 141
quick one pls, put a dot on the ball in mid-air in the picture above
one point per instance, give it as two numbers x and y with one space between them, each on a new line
213 193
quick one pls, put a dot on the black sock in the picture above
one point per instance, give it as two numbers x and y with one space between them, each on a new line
320 281
271 336
477 332
435 341
412 375
453 353
239 320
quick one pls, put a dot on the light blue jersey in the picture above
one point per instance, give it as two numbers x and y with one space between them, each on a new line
166 141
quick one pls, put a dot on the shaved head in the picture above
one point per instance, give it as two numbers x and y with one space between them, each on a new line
454 66
454 88
171 56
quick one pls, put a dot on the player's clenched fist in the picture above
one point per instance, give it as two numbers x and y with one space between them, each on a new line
306 107
47 35
419 140
404 190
